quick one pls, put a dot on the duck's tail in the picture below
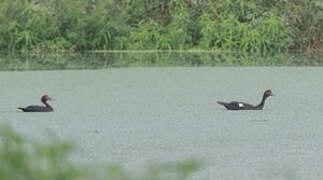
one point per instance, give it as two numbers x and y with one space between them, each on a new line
23 109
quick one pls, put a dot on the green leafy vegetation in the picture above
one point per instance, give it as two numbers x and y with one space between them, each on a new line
25 159
304 19
234 25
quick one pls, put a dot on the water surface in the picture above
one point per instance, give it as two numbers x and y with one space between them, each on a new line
137 116
116 59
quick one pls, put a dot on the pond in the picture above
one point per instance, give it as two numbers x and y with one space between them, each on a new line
137 116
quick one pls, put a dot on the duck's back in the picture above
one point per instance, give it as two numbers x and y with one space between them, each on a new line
35 108
234 105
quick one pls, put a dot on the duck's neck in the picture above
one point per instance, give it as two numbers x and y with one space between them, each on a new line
262 103
47 105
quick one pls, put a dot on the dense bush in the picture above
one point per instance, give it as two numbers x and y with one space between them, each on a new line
235 25
304 18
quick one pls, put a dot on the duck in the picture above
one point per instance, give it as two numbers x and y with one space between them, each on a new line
244 106
34 108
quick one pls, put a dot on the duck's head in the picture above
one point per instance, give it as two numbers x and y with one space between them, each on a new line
45 98
268 93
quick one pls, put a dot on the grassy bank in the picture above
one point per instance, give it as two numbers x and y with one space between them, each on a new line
236 25
26 159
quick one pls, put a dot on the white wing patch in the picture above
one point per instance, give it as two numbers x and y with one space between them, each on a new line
240 105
